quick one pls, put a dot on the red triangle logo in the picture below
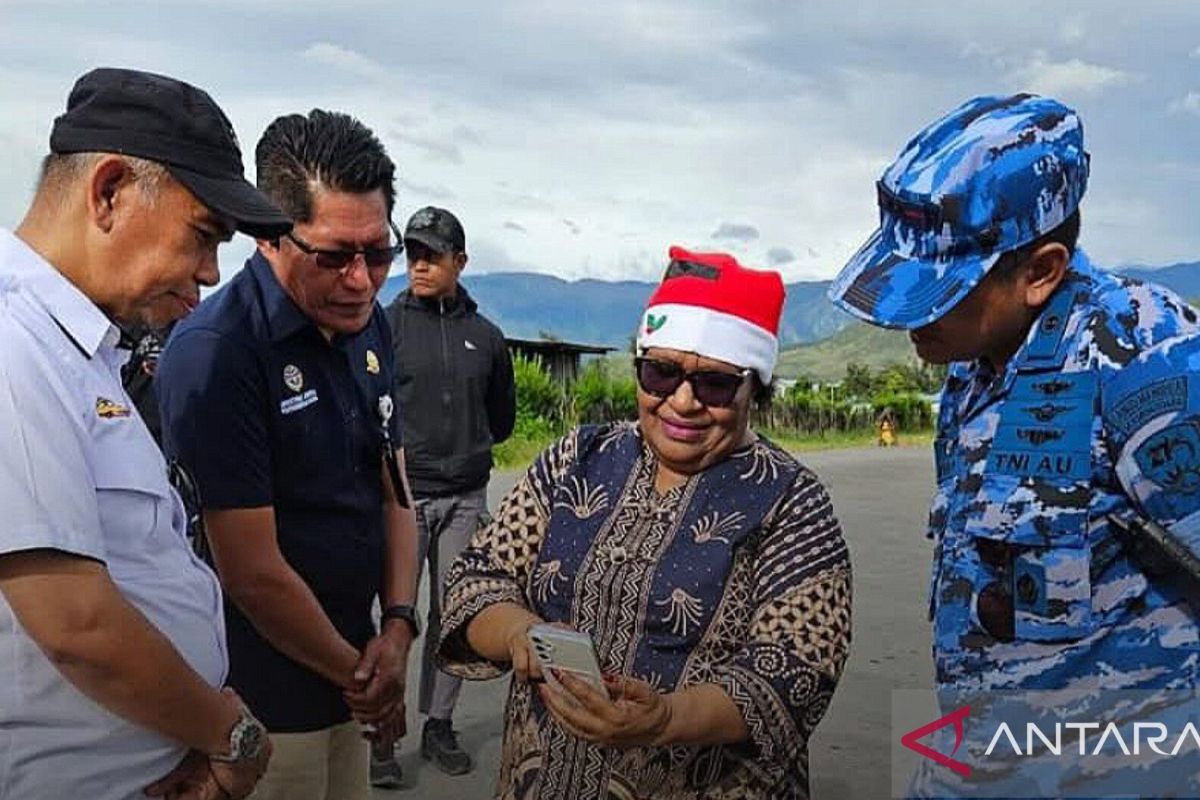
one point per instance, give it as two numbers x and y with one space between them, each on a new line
954 718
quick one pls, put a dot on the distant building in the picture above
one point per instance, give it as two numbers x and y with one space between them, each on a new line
560 358
783 385
935 402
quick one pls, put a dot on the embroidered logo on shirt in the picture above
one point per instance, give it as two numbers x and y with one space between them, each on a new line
1046 411
109 409
300 401
1170 458
1039 436
469 344
372 362
1155 399
293 378
1053 387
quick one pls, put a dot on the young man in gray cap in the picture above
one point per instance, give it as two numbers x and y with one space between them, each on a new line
111 625
454 386
1032 588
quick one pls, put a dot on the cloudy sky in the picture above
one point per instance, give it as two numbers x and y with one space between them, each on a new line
582 138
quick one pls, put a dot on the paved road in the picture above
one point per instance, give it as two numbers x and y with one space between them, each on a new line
881 497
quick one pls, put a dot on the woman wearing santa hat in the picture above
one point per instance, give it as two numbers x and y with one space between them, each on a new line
705 563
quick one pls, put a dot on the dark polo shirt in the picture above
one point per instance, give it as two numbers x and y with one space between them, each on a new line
266 412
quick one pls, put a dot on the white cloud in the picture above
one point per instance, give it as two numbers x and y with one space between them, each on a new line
1187 170
1189 104
467 135
332 55
681 25
780 255
736 231
1067 78
434 148
646 122
1073 30
440 193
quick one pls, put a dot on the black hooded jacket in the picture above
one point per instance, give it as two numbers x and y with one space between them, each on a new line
454 386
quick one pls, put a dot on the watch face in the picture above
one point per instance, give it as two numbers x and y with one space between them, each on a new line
249 736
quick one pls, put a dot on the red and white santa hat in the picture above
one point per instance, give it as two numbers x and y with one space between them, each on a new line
711 305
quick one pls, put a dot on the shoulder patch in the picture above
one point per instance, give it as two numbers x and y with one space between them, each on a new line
1152 400
1170 458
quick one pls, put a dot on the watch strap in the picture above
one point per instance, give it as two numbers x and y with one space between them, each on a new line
402 612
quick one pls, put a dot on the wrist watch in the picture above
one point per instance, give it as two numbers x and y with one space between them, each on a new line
246 740
406 613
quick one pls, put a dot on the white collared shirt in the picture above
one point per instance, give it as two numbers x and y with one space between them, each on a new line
80 473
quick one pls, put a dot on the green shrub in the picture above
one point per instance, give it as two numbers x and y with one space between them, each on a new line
538 396
911 411
600 396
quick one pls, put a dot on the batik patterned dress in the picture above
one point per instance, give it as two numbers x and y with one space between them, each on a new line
738 577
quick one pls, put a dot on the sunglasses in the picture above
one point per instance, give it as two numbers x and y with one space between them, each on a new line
710 387
375 257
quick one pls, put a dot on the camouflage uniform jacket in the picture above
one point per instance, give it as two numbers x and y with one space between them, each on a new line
1030 589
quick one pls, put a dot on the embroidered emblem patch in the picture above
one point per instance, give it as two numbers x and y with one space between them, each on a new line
372 362
654 323
1053 387
1039 436
1046 411
298 402
110 409
293 378
1171 458
1148 402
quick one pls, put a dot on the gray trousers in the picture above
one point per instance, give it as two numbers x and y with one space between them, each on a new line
444 526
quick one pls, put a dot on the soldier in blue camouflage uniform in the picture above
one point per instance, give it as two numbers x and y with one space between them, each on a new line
975 256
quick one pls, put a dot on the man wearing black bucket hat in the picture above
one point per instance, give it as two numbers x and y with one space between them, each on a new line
110 624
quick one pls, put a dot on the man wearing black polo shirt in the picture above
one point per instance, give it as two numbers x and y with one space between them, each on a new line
277 395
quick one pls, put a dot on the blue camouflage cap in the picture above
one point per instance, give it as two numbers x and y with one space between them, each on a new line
993 175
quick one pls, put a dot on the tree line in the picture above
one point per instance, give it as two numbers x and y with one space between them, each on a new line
605 391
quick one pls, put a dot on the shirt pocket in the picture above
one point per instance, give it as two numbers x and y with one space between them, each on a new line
136 505
1033 533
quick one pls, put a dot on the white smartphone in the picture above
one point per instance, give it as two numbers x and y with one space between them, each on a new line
567 650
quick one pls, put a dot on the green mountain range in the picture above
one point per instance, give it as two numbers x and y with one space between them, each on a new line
860 343
532 305
529 305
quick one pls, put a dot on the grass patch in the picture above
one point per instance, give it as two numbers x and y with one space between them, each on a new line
520 450
841 441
